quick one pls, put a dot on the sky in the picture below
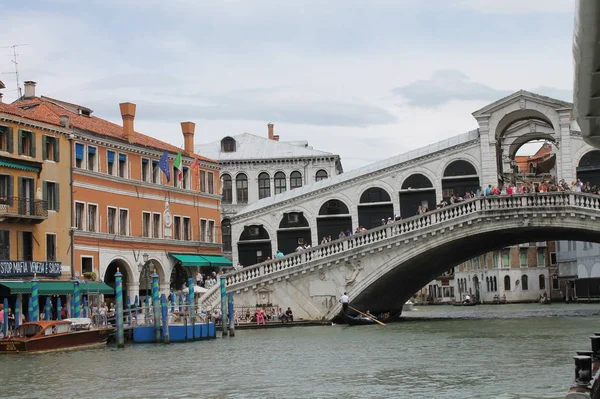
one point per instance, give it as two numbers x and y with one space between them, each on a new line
365 79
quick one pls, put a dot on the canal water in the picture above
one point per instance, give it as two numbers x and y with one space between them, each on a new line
504 352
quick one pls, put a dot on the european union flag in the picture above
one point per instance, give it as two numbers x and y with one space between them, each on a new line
163 164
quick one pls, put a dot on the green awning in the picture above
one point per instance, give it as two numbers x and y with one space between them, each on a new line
17 287
57 287
96 287
18 166
217 261
202 260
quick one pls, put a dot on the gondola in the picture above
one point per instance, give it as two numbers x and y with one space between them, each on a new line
356 320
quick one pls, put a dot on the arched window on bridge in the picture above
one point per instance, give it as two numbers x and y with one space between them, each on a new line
524 282
416 190
459 178
293 232
542 279
375 204
506 283
254 245
334 218
588 169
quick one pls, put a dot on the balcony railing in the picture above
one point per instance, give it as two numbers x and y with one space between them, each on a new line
15 207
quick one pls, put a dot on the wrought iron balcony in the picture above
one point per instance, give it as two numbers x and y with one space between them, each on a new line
23 209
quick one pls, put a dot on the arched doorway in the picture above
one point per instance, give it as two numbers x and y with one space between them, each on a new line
588 169
254 245
334 217
459 178
178 276
417 190
375 204
109 276
293 231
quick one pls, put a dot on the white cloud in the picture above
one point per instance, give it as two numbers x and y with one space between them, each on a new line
517 6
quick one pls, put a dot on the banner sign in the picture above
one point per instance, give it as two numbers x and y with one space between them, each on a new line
17 268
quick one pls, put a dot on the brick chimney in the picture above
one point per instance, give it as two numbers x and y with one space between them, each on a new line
65 121
272 136
128 114
188 128
29 89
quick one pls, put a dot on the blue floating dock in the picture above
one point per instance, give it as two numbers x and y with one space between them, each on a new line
177 333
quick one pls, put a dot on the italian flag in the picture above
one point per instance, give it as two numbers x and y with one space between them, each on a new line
177 165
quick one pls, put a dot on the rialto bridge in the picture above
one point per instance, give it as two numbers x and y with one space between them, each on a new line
395 188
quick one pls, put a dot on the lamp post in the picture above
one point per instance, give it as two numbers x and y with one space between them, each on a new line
144 268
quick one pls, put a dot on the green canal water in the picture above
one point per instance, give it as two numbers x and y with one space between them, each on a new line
504 352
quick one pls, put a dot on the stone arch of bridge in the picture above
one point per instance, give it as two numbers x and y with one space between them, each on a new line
402 270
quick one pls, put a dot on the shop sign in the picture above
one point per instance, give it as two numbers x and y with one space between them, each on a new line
18 268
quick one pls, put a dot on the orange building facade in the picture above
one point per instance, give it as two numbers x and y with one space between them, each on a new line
34 200
125 214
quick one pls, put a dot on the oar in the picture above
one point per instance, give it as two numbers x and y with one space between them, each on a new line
366 315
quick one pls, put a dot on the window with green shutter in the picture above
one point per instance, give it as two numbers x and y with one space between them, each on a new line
51 195
27 143
50 148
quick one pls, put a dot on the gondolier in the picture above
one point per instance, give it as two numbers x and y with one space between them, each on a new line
345 300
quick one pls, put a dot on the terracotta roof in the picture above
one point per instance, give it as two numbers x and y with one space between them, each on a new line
45 109
16 111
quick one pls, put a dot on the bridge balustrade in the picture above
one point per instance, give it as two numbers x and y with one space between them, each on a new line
404 226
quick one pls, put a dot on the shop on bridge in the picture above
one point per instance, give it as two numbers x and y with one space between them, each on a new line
417 190
334 218
293 231
459 178
254 245
588 169
375 204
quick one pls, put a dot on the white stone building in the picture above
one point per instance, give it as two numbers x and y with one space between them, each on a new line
254 168
579 270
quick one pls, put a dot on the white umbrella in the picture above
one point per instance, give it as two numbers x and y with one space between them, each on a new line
197 290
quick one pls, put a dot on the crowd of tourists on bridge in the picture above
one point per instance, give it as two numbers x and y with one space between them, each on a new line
524 188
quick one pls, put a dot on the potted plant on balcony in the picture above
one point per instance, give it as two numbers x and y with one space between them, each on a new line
91 276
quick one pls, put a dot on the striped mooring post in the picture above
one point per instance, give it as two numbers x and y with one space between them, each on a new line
164 307
71 307
30 309
76 298
156 306
5 321
18 311
35 315
173 300
223 306
231 314
180 302
192 306
58 309
119 309
48 309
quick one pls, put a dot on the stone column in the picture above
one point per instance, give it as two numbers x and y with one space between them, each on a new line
564 163
488 153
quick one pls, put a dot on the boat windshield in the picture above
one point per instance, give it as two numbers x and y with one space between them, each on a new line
26 331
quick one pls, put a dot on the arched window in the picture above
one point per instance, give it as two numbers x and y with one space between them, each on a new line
280 183
295 180
321 175
264 185
241 188
495 284
459 168
228 144
415 181
506 283
524 282
226 234
542 279
487 283
227 190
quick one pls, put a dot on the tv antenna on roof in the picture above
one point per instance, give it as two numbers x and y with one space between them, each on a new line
14 61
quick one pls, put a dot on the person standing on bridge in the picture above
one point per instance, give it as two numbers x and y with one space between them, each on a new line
345 300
